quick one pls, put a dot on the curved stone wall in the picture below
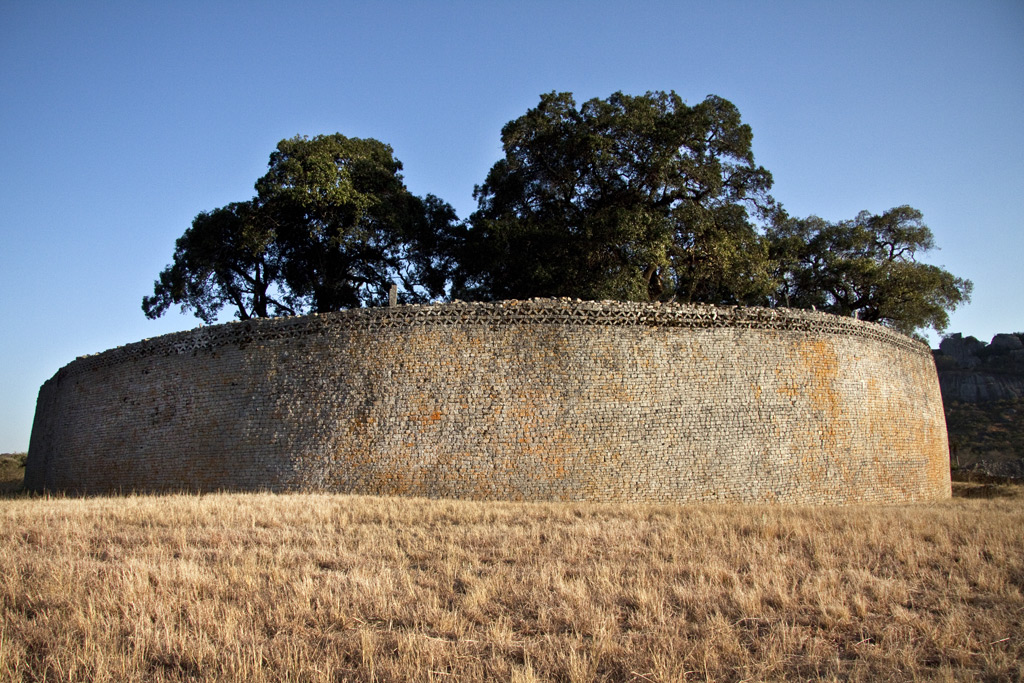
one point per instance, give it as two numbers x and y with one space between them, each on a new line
530 400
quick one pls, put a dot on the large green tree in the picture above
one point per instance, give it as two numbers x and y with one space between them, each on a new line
627 198
632 198
332 226
346 225
227 257
866 267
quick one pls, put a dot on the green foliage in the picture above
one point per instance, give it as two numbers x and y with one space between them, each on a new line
226 257
332 227
12 471
628 198
865 267
347 227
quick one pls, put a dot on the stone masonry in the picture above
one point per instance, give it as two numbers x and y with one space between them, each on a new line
516 400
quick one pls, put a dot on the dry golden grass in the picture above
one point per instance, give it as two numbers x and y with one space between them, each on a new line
325 587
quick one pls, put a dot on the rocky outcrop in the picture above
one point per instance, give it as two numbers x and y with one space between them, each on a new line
974 372
983 395
1000 469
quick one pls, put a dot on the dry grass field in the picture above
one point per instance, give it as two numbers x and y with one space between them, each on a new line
334 588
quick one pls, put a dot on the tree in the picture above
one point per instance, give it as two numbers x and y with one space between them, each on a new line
628 198
332 227
346 225
866 267
226 257
634 198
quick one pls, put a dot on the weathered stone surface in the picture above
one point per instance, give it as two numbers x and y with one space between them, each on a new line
975 372
1008 342
532 400
963 350
980 387
1004 469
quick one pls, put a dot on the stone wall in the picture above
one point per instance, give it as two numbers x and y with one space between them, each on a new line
531 400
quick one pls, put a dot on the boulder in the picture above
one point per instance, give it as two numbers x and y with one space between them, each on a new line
974 387
1006 342
963 350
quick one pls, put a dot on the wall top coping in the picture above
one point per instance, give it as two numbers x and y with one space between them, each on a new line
558 312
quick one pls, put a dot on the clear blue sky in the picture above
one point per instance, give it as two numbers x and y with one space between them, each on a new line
121 121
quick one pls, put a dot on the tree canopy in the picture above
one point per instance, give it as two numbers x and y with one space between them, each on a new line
866 267
628 197
332 226
228 256
346 226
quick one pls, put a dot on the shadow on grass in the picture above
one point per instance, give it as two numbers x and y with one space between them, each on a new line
12 489
974 489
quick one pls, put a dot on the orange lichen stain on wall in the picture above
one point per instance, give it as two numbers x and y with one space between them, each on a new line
422 407
915 435
819 358
422 418
813 385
